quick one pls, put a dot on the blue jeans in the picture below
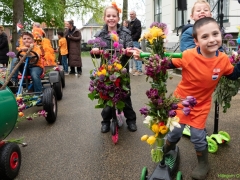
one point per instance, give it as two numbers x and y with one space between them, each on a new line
34 71
138 64
64 63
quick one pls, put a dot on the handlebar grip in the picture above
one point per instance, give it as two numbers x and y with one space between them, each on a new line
167 54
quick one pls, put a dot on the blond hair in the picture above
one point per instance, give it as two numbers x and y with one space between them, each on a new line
201 2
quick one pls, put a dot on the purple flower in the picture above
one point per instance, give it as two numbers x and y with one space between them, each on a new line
152 93
91 88
174 106
42 113
191 100
144 111
185 103
124 71
231 43
228 36
112 78
186 110
101 78
91 42
11 54
102 44
172 113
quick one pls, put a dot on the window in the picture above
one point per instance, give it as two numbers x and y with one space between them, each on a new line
216 8
180 16
157 10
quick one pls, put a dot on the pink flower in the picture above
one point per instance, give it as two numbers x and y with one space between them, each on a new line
115 44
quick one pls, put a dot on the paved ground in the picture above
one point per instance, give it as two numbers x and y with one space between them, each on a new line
73 148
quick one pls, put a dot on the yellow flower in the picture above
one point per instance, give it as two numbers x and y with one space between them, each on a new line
148 36
163 129
114 37
102 72
156 32
151 140
155 128
144 137
118 66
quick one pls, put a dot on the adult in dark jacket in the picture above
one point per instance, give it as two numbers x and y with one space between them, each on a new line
4 47
136 30
74 37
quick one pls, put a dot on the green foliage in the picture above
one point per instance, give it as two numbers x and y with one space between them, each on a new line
224 92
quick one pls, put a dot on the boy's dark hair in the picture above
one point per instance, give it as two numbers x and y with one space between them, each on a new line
27 34
199 23
60 33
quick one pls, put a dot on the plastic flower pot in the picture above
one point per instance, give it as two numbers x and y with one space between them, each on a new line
8 112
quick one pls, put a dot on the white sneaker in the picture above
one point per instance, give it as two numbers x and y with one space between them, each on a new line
130 70
66 73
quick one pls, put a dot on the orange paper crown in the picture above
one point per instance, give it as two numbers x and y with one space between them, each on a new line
115 5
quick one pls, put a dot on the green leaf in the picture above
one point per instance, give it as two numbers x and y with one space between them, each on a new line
91 96
110 103
125 88
99 106
120 105
111 94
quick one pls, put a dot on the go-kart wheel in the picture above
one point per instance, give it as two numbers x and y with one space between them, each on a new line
32 59
226 136
144 174
10 161
58 89
212 145
179 175
61 73
115 136
50 104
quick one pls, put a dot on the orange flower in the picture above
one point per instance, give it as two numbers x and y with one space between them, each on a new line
21 114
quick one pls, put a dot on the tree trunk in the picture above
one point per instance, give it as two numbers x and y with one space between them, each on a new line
125 10
18 10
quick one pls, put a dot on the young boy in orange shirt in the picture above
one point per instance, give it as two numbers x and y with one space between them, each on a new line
35 70
202 68
62 45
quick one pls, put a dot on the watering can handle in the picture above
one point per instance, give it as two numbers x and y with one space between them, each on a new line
167 54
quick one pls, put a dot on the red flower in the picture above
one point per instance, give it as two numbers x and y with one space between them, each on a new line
104 97
117 82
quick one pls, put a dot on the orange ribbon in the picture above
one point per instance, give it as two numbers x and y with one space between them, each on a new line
115 5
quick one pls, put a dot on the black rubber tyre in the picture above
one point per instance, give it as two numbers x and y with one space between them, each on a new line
10 161
58 89
50 104
113 127
61 73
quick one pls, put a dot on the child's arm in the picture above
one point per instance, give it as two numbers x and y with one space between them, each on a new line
186 41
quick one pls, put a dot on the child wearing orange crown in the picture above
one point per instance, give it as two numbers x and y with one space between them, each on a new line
111 18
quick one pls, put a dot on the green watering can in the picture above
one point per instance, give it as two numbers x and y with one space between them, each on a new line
8 112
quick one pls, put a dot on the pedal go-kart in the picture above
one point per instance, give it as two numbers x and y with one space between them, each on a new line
51 83
10 154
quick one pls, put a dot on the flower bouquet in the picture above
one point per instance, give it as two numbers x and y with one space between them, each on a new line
161 115
227 88
109 79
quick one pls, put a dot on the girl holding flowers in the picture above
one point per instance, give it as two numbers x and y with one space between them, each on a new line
117 37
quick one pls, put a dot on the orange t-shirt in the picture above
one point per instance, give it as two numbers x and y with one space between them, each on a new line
38 51
62 43
200 76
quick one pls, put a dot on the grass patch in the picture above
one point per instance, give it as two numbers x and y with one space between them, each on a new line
85 54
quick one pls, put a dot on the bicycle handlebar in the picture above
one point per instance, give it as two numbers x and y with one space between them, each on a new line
167 54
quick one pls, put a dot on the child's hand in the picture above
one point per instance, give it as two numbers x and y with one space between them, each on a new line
24 49
95 51
129 51
136 53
